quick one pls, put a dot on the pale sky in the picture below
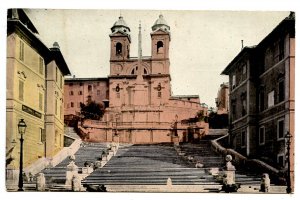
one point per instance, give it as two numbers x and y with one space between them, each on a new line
202 42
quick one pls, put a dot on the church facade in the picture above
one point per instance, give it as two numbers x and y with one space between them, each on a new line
141 106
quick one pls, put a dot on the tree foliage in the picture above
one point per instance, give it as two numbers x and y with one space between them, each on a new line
218 121
92 110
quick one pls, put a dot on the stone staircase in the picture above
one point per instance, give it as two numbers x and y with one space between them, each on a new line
70 132
203 153
149 166
88 152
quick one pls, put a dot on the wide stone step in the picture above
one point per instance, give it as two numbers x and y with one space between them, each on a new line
157 175
147 182
133 175
153 177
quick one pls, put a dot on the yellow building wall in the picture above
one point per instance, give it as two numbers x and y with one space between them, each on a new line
55 112
27 71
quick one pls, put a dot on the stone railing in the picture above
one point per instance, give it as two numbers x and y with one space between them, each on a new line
249 164
183 103
42 163
126 125
65 152
217 147
37 166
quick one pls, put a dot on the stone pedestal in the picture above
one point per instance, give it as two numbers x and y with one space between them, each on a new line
229 184
110 153
265 183
229 170
97 164
12 178
40 182
104 157
76 183
114 150
72 170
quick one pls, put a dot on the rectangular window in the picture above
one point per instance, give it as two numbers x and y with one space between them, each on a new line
281 91
60 112
55 106
233 106
41 65
262 135
158 94
281 49
233 81
280 160
280 129
244 69
40 101
61 81
71 93
79 92
42 135
21 90
271 99
90 88
21 56
80 84
72 105
56 137
244 107
56 72
98 92
262 100
269 57
243 139
118 95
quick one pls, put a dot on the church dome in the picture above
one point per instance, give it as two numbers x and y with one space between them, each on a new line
161 23
120 25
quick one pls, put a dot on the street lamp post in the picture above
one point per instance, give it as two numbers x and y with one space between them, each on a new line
21 128
288 137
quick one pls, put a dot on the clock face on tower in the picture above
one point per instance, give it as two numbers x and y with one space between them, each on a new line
159 87
118 88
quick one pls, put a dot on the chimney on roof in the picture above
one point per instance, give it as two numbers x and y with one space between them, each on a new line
56 45
73 76
292 15
242 43
14 13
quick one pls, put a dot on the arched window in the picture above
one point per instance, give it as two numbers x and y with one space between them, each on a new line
118 48
135 71
160 46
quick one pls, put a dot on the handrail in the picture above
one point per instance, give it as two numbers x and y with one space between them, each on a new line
224 151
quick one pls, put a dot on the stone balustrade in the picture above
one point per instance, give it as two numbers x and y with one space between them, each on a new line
244 161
